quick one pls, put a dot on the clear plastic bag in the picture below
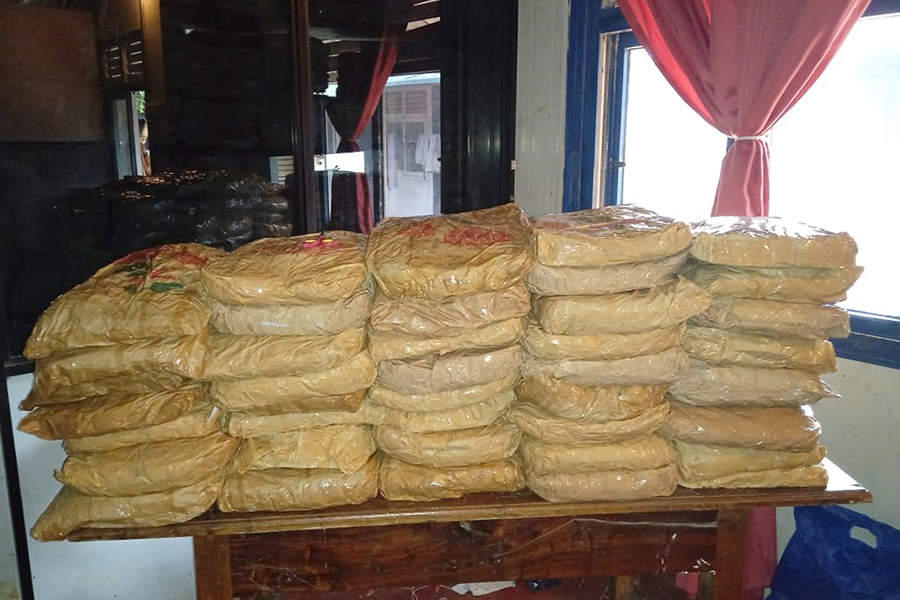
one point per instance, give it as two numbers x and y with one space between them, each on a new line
607 236
627 312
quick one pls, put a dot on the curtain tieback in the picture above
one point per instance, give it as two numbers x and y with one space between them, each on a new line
761 138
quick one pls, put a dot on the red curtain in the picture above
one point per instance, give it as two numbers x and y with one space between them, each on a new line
742 64
361 81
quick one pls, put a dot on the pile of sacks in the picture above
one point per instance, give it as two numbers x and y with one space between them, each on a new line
740 418
116 362
289 346
444 332
602 351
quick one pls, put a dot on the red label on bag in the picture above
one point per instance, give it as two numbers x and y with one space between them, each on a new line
419 230
476 236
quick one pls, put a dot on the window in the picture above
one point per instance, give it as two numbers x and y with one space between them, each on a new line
833 161
412 152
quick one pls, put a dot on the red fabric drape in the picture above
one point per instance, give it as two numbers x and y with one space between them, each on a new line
351 198
742 64
350 194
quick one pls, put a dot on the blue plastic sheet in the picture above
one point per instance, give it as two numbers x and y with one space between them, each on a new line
828 559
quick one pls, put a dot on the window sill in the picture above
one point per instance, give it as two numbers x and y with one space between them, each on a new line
874 340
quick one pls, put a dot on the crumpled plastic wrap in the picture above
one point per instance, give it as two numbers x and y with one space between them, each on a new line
808 476
646 452
323 390
607 236
449 372
109 414
298 489
545 280
770 242
600 346
128 384
697 462
665 367
388 345
600 486
464 417
593 404
70 510
248 424
706 385
792 429
449 316
438 401
148 294
147 468
313 318
249 356
787 284
719 346
200 421
771 317
450 255
461 448
83 367
398 480
640 310
307 268
343 447
553 430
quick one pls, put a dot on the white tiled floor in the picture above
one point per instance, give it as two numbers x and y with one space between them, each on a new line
132 570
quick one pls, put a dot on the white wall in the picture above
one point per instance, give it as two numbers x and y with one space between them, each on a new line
132 569
541 104
861 431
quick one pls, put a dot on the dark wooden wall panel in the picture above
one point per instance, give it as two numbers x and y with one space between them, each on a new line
49 76
478 89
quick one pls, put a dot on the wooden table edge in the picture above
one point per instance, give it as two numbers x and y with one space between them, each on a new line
377 513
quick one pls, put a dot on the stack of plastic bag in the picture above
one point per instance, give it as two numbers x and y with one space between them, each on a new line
289 345
602 351
115 362
444 332
740 417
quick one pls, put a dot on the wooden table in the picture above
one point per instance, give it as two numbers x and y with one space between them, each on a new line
481 537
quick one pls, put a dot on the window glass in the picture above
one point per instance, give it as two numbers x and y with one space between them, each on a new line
672 156
835 157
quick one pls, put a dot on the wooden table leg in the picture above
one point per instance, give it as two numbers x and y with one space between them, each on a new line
212 567
730 550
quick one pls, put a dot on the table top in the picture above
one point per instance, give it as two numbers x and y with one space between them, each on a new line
842 489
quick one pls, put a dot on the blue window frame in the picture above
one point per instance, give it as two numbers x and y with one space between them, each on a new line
874 339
